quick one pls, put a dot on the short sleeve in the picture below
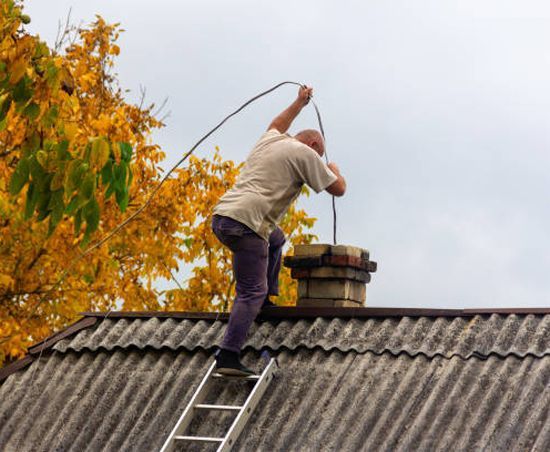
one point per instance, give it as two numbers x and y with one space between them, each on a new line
270 136
271 133
314 172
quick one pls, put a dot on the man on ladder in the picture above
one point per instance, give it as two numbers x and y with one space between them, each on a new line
246 217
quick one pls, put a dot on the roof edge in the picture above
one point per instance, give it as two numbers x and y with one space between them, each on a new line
45 344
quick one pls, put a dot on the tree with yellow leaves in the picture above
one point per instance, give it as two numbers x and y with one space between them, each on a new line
75 160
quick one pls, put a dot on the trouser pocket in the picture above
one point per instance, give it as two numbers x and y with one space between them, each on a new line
229 231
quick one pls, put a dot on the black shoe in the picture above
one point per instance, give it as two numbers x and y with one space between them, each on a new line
227 363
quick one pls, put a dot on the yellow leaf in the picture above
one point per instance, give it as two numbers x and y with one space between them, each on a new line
17 70
116 151
6 281
42 158
70 129
99 153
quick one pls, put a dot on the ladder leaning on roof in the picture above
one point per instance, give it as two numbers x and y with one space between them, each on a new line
243 411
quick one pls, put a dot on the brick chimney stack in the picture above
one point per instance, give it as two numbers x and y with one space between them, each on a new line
330 275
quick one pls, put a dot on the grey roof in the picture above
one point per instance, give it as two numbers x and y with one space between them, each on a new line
399 383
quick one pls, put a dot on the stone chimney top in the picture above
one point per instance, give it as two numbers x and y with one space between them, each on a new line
330 275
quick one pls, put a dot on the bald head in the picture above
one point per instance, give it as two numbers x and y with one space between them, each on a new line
313 139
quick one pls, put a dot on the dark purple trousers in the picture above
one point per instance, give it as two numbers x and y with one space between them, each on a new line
256 266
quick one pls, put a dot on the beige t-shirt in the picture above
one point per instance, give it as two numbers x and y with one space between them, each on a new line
271 179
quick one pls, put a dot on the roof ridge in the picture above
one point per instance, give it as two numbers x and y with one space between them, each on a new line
292 312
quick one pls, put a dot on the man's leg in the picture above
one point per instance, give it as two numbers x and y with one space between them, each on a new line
276 242
250 260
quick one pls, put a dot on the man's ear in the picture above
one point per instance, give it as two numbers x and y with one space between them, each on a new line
315 146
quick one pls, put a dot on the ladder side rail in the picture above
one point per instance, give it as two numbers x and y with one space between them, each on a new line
248 407
187 414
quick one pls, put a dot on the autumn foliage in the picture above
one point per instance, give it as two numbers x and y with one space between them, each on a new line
75 160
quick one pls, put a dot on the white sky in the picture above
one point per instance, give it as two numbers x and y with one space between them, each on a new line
437 113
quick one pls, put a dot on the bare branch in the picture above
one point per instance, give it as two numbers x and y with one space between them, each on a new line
63 32
162 105
172 275
143 92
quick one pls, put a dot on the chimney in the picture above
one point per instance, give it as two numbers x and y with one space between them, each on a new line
330 275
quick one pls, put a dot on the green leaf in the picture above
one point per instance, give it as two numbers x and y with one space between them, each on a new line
49 118
87 152
77 221
73 205
46 182
110 190
86 238
91 214
42 206
32 198
51 74
56 206
20 176
88 186
122 198
119 174
31 144
107 173
5 106
22 92
32 111
130 176
39 176
125 151
75 172
41 50
62 150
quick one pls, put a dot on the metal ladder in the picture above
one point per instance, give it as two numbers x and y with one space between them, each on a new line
243 411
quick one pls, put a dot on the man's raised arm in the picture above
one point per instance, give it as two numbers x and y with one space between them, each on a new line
284 120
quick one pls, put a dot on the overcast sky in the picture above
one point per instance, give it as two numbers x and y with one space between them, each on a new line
437 113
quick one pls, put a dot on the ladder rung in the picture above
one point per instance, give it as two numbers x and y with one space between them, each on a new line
206 406
205 439
234 377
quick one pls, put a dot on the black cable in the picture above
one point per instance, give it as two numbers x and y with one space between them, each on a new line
157 188
326 158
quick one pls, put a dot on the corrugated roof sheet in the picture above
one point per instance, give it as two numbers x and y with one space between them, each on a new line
503 335
465 383
130 400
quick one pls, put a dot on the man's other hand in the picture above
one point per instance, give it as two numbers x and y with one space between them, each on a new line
337 188
334 168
